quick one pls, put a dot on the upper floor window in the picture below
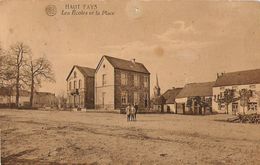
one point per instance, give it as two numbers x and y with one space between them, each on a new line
136 80
104 79
79 84
75 84
146 81
75 74
123 79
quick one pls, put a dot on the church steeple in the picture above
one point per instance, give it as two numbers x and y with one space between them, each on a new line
157 89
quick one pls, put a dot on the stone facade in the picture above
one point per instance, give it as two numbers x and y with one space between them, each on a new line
131 88
121 82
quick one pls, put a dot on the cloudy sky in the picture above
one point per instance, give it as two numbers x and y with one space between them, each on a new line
181 41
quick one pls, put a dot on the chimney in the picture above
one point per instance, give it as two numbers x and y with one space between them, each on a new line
133 60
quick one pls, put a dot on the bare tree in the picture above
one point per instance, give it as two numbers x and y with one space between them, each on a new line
245 95
18 54
227 98
37 70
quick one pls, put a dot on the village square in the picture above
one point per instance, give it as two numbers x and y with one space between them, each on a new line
130 82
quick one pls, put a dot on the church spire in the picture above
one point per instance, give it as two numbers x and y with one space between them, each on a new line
157 82
157 90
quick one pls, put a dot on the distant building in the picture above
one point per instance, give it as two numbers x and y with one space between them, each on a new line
249 79
44 99
170 96
186 99
8 97
80 87
120 82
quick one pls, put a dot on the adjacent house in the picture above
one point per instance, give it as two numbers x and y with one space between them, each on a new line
170 96
195 98
80 87
248 80
120 82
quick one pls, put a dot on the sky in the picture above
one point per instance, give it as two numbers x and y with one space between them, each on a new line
180 41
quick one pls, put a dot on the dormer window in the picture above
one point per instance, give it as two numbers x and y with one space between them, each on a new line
104 66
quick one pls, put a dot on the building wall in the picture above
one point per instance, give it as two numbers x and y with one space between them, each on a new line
104 94
130 88
222 108
89 96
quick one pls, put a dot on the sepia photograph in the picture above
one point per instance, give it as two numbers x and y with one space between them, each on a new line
130 82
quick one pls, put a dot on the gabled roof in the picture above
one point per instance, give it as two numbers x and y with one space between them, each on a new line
118 63
171 94
84 70
159 100
196 89
239 78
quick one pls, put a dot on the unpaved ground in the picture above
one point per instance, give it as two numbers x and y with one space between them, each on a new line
52 137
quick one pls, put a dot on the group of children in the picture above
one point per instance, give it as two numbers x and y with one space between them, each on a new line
131 111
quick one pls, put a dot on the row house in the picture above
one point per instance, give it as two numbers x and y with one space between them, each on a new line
120 82
237 81
80 87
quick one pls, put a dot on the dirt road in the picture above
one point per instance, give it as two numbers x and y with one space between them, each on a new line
46 137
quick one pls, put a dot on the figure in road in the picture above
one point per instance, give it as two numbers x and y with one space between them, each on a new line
127 110
136 109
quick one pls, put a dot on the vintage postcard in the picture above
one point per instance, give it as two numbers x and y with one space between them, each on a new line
130 82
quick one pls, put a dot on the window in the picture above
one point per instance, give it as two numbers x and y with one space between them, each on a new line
103 98
124 97
123 79
252 106
104 79
136 80
146 100
75 84
75 74
79 84
136 97
146 81
222 88
252 86
69 85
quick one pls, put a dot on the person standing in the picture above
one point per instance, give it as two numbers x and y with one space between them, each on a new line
136 109
133 111
127 110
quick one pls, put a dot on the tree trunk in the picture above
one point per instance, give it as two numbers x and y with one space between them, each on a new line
17 89
32 90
